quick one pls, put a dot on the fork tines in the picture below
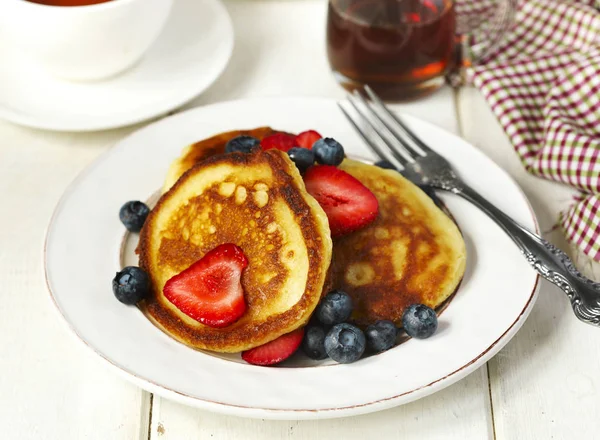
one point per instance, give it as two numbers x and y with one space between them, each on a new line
383 132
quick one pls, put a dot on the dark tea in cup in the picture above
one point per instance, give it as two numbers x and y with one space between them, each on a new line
401 48
68 2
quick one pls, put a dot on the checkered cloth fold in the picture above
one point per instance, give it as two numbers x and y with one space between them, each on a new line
543 84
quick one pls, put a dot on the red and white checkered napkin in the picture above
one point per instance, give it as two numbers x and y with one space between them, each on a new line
543 84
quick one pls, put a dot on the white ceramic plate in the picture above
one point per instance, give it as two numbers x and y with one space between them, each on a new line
187 58
83 254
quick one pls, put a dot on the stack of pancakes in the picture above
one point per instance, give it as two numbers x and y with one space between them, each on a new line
412 253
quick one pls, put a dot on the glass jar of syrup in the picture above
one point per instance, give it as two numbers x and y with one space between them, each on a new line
401 48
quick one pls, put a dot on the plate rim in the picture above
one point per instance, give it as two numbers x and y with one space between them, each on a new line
25 120
275 413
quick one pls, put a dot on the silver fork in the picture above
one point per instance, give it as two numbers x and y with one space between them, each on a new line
391 139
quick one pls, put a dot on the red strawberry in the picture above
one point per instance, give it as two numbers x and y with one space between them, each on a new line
306 139
280 141
210 290
349 204
275 351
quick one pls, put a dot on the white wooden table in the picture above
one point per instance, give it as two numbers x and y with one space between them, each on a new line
544 384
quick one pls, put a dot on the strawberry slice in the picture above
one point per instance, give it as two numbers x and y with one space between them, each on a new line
349 204
275 351
210 290
279 141
306 139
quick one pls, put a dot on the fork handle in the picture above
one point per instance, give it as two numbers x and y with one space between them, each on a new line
549 261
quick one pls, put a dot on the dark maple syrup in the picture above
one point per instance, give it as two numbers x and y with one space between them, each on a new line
401 48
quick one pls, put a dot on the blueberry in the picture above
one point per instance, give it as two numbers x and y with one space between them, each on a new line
381 336
335 308
328 151
345 343
302 157
133 215
131 285
385 165
242 144
313 344
419 321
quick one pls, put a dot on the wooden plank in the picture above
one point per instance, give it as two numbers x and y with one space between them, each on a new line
276 61
545 382
52 386
458 412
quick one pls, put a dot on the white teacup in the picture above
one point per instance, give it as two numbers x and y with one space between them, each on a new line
84 42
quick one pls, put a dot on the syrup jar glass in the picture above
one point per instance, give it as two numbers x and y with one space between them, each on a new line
404 48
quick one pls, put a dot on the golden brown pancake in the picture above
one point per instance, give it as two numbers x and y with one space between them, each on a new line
412 253
258 202
206 148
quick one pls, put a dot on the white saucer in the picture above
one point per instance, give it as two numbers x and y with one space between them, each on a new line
186 59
